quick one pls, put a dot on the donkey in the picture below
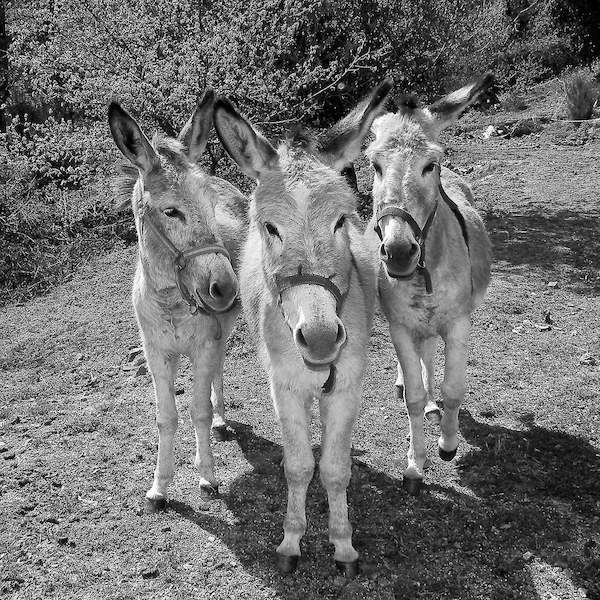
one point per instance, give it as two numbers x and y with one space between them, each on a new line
184 293
307 285
434 262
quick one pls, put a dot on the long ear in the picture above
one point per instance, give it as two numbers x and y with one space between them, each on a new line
342 143
130 139
195 132
447 109
248 148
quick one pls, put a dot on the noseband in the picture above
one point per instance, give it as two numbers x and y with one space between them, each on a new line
421 234
180 261
300 278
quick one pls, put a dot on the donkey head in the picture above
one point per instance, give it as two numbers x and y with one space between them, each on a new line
173 200
406 156
300 209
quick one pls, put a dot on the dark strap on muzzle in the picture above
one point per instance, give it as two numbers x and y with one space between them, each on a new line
285 283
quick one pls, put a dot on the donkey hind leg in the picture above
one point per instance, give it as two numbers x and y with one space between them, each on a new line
428 348
219 426
338 415
415 398
453 388
163 369
205 366
299 465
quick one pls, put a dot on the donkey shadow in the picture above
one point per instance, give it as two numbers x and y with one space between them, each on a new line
534 492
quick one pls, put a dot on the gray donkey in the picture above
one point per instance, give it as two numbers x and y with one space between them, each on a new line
435 262
190 228
308 291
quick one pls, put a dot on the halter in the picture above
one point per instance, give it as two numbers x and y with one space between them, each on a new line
285 283
421 234
180 261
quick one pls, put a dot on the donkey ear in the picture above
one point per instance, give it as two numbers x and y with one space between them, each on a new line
130 139
195 132
447 109
341 144
248 148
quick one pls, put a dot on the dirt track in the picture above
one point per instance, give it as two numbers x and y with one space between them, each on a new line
516 515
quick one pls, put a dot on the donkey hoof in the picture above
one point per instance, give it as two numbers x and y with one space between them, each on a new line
400 392
412 485
447 454
434 416
208 492
287 564
154 505
347 569
220 433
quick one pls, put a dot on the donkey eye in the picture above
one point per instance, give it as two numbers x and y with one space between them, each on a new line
272 230
377 168
428 168
340 222
173 213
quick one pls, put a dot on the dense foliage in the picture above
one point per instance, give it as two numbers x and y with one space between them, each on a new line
279 60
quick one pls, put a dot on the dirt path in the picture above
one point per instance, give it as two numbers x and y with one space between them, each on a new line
516 515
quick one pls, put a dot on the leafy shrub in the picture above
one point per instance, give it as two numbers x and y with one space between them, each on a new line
580 96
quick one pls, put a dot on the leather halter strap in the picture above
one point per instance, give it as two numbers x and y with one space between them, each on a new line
180 260
285 283
421 234
300 278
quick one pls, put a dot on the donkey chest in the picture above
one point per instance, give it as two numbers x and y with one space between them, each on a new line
409 305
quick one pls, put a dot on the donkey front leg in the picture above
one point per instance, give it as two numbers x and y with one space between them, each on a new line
299 465
338 415
205 365
415 398
453 388
163 369
219 427
428 348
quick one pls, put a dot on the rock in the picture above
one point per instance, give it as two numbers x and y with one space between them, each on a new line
552 284
585 359
141 370
527 556
133 353
489 132
62 539
149 572
9 455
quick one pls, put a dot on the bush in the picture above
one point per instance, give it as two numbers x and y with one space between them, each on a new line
580 96
303 59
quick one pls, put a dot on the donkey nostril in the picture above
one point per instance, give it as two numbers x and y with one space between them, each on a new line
215 291
300 339
413 249
341 333
382 251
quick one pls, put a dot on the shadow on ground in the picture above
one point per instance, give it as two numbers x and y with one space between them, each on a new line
565 244
534 492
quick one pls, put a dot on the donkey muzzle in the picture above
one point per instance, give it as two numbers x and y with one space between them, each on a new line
319 343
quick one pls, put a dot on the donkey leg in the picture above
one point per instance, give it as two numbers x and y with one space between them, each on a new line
428 348
453 388
299 465
163 370
205 365
399 382
415 398
219 426
338 415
